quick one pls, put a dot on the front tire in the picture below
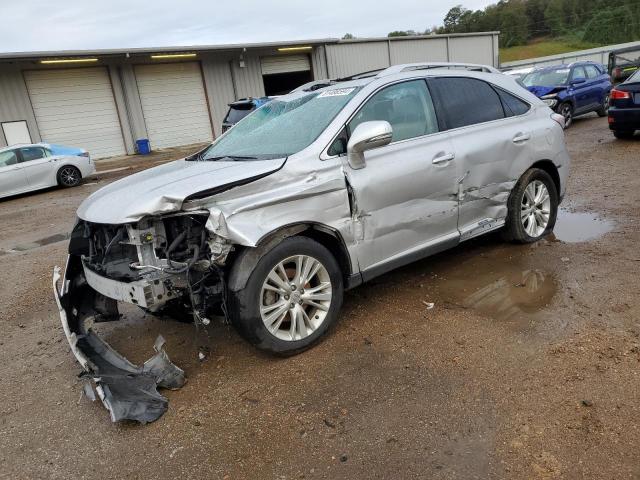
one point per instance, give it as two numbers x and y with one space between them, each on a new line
69 176
532 207
291 299
566 110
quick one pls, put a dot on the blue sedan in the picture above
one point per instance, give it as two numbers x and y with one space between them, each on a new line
573 89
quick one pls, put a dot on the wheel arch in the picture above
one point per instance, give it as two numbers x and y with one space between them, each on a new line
549 167
328 237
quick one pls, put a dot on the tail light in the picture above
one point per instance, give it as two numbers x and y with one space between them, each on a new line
559 119
619 95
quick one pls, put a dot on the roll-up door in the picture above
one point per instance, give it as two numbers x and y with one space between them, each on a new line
174 104
75 107
285 64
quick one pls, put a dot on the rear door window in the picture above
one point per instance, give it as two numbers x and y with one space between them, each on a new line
32 153
465 101
406 106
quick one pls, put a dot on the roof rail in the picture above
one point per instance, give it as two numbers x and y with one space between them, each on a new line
407 67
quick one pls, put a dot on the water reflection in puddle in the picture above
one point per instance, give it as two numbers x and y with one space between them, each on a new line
573 227
501 281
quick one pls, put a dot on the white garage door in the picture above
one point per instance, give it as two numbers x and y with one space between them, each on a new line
285 64
174 104
75 107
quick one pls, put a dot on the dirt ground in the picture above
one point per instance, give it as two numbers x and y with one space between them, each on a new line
527 366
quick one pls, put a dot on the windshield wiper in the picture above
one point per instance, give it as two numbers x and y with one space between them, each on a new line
232 157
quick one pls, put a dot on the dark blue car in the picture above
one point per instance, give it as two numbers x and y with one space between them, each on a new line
240 109
573 89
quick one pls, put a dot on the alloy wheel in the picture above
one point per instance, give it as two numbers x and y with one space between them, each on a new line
69 176
295 297
567 113
536 209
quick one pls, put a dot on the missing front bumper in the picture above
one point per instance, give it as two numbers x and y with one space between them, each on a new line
128 391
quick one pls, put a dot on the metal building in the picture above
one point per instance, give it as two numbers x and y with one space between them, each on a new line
103 100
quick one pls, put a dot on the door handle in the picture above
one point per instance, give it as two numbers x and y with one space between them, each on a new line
521 137
442 158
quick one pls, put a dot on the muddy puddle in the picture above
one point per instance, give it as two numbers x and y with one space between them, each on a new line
507 285
574 227
514 284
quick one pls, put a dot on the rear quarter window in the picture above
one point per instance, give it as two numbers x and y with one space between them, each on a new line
465 101
513 106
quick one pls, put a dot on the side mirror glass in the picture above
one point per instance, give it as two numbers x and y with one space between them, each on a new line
367 136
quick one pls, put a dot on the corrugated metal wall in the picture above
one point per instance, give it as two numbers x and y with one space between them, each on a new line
220 89
319 63
248 79
409 51
131 98
14 102
357 56
350 58
471 49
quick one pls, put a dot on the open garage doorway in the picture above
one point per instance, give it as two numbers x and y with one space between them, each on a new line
283 73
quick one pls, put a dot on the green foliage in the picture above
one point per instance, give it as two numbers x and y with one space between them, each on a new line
348 36
519 21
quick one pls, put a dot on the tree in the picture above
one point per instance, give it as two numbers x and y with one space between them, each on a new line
348 36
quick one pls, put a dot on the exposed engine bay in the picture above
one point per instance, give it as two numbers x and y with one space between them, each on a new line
169 264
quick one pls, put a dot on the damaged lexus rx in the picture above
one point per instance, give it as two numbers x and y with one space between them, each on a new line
311 194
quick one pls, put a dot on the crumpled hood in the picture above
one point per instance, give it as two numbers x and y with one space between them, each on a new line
541 91
163 189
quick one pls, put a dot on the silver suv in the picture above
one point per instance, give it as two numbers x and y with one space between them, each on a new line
313 193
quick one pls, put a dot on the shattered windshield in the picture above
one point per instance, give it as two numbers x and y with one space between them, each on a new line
282 127
547 78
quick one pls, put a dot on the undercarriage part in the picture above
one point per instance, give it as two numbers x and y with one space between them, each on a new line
128 391
161 265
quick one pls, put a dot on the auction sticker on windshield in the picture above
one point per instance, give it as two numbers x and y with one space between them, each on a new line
338 92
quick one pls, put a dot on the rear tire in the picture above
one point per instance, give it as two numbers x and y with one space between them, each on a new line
275 295
623 134
69 176
603 111
532 207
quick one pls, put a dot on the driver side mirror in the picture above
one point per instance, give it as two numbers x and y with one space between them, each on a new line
367 136
578 80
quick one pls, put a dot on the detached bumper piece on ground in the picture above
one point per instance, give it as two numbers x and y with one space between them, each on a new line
128 391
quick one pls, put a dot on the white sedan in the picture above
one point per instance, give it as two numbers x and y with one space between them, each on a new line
24 168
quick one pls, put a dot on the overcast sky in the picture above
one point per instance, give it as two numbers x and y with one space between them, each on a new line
32 25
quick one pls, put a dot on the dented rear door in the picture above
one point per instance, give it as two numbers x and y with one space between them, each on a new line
487 144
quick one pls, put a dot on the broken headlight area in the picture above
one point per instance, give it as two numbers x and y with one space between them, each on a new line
165 266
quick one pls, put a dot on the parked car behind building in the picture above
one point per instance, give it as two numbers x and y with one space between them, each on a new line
240 109
24 168
573 89
313 193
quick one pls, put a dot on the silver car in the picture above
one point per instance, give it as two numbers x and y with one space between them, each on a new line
313 193
24 168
